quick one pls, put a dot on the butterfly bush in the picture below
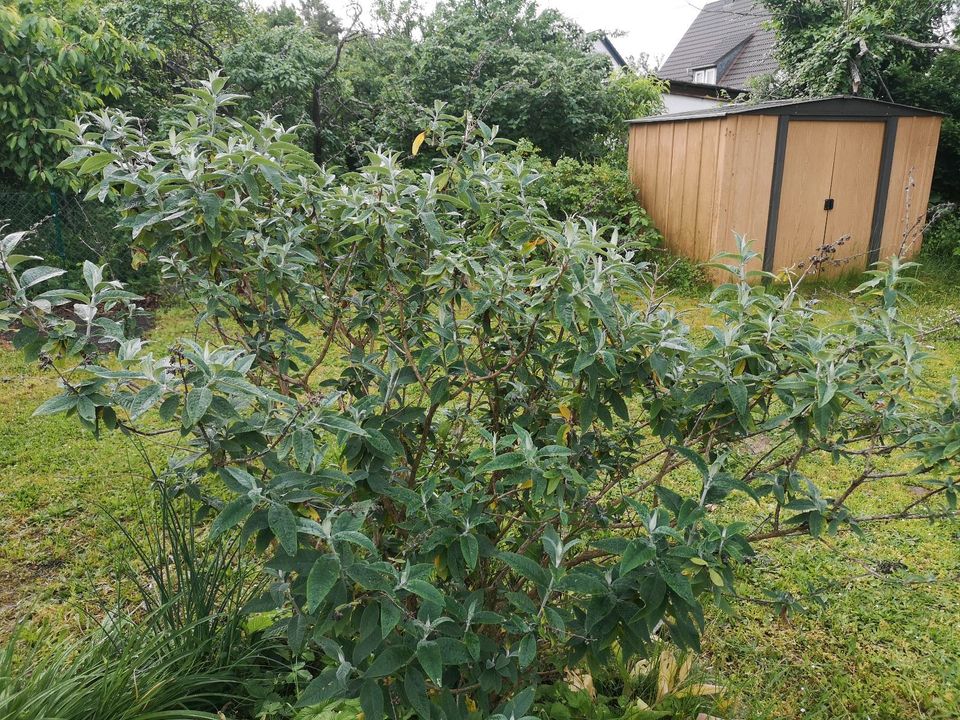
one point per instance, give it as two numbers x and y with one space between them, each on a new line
474 444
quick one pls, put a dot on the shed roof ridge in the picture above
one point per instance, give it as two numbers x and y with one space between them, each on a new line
830 105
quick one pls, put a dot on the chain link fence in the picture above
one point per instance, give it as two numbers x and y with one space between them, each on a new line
69 230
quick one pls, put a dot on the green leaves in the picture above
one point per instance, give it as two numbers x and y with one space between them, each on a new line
38 274
428 653
470 549
637 554
388 662
96 162
58 404
335 423
425 590
323 576
232 515
144 400
283 523
526 568
197 403
507 461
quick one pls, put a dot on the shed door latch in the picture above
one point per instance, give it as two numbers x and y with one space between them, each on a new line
828 204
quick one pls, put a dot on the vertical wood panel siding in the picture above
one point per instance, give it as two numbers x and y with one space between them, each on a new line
691 187
807 172
674 168
678 165
910 179
856 171
744 200
708 174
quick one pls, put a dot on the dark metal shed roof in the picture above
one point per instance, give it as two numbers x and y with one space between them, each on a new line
733 36
839 106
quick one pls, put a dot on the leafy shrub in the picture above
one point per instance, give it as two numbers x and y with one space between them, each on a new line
602 191
475 443
942 238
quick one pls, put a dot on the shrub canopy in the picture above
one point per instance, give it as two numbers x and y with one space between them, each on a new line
474 442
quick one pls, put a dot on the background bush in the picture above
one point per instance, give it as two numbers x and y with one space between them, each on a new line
602 192
942 238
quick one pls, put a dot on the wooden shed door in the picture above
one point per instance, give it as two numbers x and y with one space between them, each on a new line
830 175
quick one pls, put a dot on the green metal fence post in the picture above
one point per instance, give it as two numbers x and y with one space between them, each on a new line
58 225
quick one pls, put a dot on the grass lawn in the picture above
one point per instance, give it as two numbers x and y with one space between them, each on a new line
886 643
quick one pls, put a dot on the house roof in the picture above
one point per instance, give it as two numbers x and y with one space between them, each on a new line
838 106
730 35
606 46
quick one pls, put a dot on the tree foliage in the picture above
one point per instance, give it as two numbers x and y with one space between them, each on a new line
474 442
531 72
279 69
848 46
53 66
871 48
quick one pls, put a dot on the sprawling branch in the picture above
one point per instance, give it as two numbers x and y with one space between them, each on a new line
903 39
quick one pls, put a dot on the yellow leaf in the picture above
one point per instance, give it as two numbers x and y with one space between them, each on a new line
443 179
716 578
417 142
639 669
138 258
552 485
471 705
440 568
526 485
665 676
699 689
580 680
566 413
685 668
530 245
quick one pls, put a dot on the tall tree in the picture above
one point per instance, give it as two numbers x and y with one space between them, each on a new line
191 36
851 46
320 19
53 66
532 73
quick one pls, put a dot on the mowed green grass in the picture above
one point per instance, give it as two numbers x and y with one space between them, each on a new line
884 645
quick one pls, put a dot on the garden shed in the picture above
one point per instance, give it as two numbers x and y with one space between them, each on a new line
792 176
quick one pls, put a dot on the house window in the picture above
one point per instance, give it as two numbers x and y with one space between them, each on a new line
705 76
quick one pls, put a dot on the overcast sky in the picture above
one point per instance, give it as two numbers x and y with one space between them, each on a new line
651 26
